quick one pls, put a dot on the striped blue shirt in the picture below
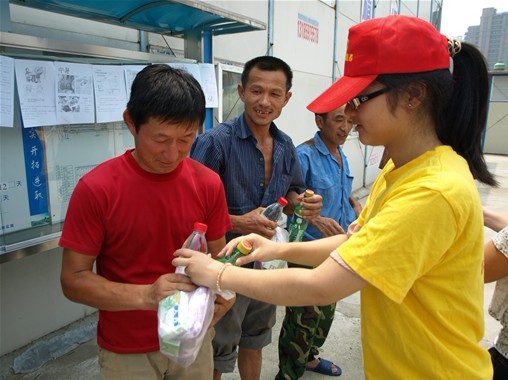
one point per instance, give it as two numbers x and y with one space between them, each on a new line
231 150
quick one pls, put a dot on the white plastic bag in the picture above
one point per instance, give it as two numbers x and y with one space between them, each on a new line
184 318
281 236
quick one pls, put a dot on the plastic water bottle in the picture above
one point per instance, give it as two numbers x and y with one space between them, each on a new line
274 211
196 241
298 223
242 248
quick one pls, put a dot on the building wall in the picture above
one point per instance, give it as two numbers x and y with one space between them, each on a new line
491 36
31 300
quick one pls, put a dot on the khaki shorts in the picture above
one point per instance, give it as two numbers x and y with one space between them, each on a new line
155 365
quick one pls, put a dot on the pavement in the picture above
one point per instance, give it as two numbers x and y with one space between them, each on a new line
343 345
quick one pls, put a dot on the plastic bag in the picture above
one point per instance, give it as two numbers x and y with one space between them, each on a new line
184 318
281 236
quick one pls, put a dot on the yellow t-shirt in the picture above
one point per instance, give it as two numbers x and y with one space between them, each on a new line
421 249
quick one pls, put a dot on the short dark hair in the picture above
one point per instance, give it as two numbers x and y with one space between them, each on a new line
166 94
268 63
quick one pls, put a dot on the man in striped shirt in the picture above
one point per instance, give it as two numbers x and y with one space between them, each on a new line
257 163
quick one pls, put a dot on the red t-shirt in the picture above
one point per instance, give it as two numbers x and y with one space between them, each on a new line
133 221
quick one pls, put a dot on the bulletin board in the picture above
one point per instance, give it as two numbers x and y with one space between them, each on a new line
60 120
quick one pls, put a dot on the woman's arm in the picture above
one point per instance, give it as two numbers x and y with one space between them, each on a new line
327 283
494 220
496 264
310 253
323 285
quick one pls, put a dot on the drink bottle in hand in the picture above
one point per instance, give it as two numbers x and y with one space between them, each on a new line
298 223
196 239
274 211
183 317
242 248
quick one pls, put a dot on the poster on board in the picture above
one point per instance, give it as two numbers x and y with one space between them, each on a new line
23 188
74 91
6 91
36 89
130 72
204 73
110 93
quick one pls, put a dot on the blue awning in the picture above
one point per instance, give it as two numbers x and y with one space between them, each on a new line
171 17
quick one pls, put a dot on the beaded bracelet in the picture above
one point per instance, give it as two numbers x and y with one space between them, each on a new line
219 275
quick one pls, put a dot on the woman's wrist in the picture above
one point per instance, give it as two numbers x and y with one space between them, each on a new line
219 276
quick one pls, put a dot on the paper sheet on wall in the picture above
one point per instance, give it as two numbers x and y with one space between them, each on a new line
110 93
130 72
6 91
36 88
74 91
209 84
204 73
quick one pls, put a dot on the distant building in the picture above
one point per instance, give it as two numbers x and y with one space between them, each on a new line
491 36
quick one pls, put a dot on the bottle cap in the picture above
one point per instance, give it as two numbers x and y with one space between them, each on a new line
282 201
200 226
308 193
244 246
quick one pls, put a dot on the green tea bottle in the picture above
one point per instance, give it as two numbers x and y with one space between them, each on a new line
298 223
242 248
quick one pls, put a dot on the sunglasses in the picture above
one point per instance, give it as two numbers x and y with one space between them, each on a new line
355 102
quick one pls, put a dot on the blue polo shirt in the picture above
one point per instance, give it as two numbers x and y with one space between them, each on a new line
323 174
231 150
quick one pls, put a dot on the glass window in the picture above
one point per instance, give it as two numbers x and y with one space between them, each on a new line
230 104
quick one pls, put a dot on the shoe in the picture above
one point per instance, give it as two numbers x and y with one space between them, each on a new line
325 367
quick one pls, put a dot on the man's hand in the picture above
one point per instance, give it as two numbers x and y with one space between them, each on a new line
327 226
221 307
353 227
164 286
311 206
254 222
357 206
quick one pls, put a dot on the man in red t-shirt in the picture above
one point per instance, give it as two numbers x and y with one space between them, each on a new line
130 213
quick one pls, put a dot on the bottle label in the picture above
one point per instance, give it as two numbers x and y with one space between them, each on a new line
297 228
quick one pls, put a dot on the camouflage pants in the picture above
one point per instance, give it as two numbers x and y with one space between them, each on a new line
303 331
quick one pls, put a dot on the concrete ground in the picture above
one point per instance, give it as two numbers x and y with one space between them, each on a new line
343 345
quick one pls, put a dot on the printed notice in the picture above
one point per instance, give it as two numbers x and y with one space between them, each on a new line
110 93
204 73
74 91
209 84
6 91
130 73
36 88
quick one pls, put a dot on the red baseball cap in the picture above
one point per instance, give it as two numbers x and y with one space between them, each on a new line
384 45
